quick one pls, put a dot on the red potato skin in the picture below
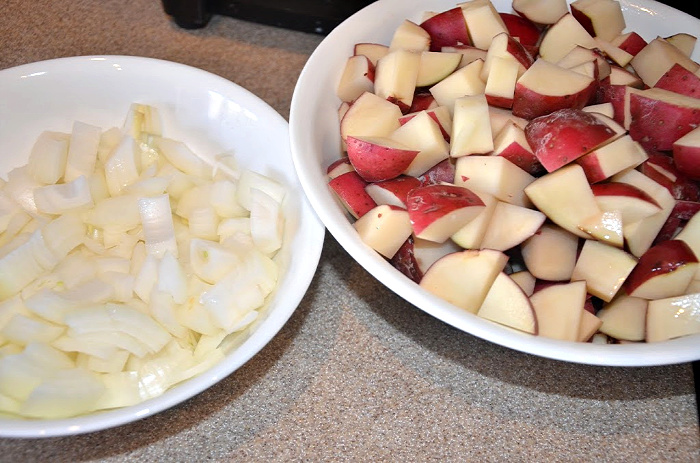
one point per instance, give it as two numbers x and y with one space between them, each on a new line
621 189
660 259
523 158
565 135
428 203
633 43
682 188
447 29
615 95
519 52
522 28
342 164
422 100
680 80
657 124
687 160
499 101
350 188
400 186
376 163
407 117
442 172
681 213
405 261
529 104
583 20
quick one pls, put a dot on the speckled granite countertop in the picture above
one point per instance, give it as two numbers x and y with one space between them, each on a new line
357 374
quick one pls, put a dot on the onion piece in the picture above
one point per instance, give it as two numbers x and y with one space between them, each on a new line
266 221
250 179
47 159
182 157
82 150
66 393
112 317
157 223
123 166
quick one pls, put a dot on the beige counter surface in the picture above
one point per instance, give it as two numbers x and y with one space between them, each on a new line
357 374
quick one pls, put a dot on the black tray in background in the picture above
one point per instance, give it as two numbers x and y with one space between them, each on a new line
314 16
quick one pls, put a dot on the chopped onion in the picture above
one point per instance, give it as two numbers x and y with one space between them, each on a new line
123 166
266 221
47 160
182 157
158 228
82 150
126 262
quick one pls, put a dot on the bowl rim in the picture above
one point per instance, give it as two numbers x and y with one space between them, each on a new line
306 107
281 307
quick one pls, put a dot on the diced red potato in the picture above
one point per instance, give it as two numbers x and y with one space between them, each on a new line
506 303
588 165
506 47
600 18
660 117
521 28
471 235
435 66
445 278
511 143
550 254
468 52
686 154
395 77
664 270
393 191
684 41
656 58
559 309
369 115
438 211
604 162
447 29
546 87
373 51
379 158
633 203
606 228
541 12
442 172
410 36
631 42
384 228
562 37
357 78
483 22
680 80
562 136
349 188
604 268
624 318
339 167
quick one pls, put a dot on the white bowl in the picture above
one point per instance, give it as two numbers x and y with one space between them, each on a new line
316 140
211 115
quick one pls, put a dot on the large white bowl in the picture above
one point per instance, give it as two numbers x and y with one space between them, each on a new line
316 140
210 114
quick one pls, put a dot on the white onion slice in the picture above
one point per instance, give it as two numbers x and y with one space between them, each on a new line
157 223
82 150
47 160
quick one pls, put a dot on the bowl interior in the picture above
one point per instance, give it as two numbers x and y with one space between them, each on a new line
316 143
212 115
